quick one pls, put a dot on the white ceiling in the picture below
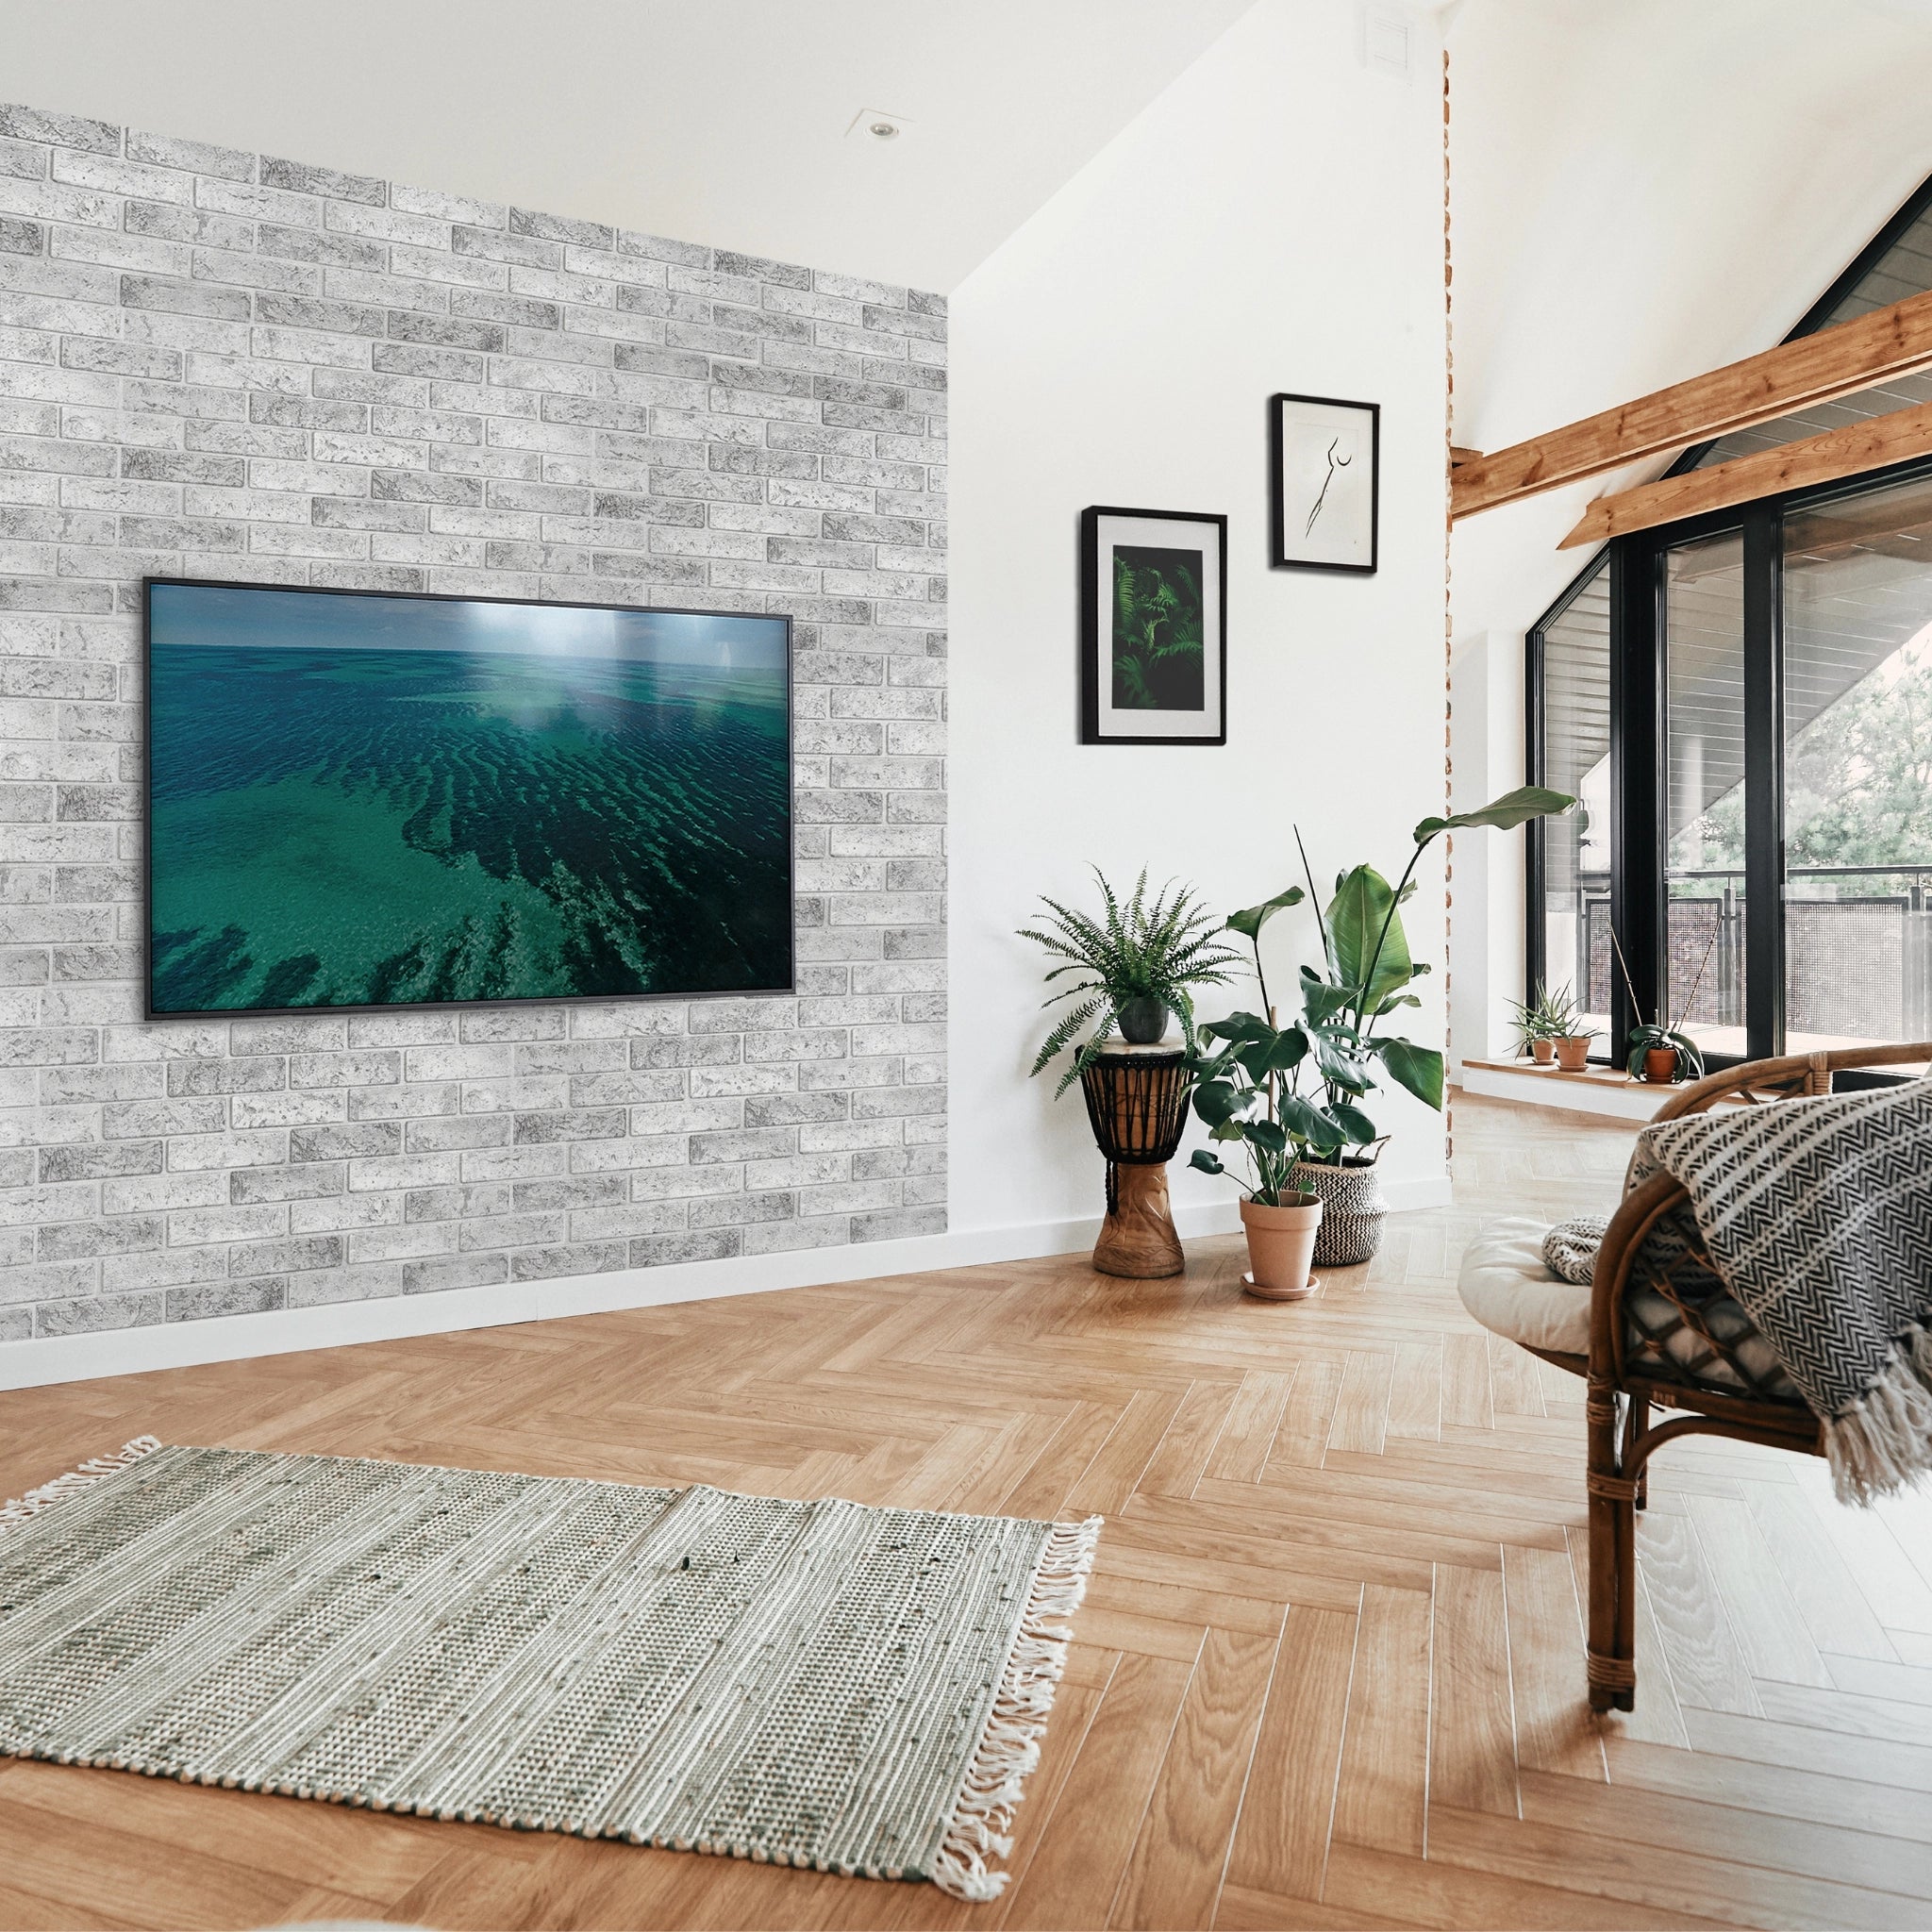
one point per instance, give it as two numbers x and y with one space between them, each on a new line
716 121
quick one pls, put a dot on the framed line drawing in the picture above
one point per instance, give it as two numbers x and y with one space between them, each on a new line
1152 627
1323 483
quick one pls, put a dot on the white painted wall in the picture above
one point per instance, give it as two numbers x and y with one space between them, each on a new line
1272 221
1485 704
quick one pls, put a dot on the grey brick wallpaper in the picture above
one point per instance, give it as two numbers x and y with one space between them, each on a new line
224 365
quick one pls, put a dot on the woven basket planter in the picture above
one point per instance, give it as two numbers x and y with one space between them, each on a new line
1353 1210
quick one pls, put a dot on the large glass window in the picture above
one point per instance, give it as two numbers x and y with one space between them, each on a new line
1576 850
1746 716
1702 985
1857 768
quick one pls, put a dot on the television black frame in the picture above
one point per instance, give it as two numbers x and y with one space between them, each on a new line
203 1015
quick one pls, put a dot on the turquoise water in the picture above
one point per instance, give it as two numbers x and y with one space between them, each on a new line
379 828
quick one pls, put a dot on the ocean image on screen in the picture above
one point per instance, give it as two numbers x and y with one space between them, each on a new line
367 801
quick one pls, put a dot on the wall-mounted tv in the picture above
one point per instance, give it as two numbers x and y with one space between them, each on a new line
359 800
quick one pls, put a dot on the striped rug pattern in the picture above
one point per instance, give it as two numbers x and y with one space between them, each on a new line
817 1684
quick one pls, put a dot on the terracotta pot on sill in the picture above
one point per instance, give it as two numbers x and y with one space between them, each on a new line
1281 1243
1543 1052
1573 1053
1660 1066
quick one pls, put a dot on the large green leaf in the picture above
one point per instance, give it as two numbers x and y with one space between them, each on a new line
1280 1053
1361 917
1343 1067
1354 1122
1216 1100
1418 1068
1512 809
1238 1027
1321 1000
1251 919
1308 1123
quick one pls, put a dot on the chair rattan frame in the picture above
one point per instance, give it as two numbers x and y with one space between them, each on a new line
1628 1374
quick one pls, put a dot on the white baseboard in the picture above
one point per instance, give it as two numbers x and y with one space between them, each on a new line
288 1331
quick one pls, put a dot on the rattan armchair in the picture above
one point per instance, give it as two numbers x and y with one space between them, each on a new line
1664 1334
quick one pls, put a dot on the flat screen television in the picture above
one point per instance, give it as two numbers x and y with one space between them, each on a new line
361 801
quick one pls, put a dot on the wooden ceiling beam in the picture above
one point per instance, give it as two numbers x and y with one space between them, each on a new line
1832 362
1849 451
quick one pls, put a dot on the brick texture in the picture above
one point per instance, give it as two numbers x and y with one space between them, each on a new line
224 365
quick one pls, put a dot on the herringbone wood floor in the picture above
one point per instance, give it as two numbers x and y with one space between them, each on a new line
1331 1670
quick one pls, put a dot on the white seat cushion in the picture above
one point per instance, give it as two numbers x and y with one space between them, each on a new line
1505 1284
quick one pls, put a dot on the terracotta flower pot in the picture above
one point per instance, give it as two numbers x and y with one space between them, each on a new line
1573 1053
1543 1052
1281 1243
1661 1065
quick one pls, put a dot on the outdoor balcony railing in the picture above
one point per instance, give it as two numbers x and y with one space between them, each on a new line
1858 964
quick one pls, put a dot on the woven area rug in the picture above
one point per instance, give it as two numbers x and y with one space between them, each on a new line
814 1684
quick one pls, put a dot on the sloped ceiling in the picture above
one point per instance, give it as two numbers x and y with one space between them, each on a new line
717 120
1643 190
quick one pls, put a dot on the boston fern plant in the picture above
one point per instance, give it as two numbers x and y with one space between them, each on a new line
1129 968
1248 1086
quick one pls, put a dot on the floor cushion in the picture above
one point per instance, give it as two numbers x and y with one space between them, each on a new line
1507 1287
1505 1284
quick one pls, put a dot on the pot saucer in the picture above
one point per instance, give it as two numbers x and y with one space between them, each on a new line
1269 1295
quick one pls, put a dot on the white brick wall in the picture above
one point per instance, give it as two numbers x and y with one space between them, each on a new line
224 365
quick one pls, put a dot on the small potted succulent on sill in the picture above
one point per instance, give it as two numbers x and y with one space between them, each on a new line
1572 1048
1661 1054
1131 968
1543 1020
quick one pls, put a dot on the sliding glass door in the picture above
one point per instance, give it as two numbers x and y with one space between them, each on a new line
1746 707
1702 979
1857 768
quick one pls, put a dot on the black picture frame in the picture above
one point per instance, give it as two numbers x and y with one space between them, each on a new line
1100 723
162 1015
1284 552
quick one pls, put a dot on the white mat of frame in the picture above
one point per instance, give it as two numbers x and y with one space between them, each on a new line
817 1684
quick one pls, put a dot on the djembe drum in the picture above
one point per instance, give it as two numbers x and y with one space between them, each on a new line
1137 1100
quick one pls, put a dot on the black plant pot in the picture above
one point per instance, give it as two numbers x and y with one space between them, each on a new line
1143 1021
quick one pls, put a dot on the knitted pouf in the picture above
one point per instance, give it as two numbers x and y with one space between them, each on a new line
1353 1210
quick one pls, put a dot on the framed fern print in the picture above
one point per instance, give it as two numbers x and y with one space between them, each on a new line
1153 627
1325 458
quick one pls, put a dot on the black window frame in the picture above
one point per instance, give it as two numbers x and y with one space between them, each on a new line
1638 754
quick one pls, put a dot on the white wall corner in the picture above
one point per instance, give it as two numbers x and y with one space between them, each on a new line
1486 677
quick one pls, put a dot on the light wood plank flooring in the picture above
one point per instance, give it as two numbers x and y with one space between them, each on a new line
1330 1670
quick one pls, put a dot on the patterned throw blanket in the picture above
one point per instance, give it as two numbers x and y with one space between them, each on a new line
1818 1214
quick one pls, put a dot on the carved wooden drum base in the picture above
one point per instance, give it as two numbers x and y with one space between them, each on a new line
1138 1238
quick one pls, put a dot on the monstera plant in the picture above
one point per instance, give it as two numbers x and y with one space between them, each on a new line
1288 1096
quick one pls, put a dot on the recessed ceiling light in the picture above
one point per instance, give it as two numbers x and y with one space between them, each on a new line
875 123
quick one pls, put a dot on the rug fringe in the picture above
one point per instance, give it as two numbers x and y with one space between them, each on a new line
1010 1746
21 1508
1883 1441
